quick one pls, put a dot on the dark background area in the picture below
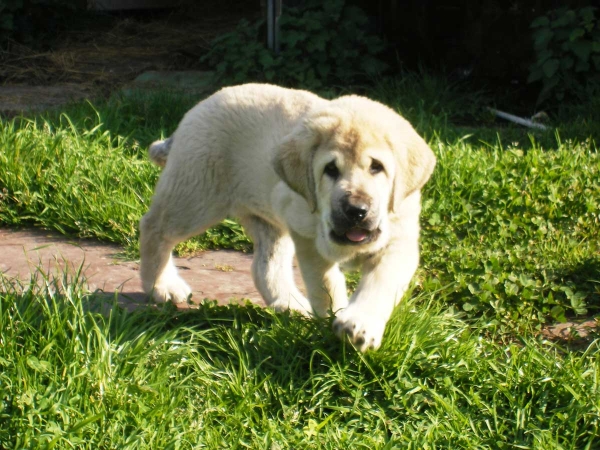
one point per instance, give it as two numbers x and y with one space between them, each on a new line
487 42
488 38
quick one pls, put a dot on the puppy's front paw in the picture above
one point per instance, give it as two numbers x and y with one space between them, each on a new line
364 328
295 303
175 290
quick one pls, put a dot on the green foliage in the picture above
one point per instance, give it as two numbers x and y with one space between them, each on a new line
8 8
321 43
430 102
513 229
567 48
509 239
93 160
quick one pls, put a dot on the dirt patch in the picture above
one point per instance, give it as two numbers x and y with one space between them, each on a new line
104 53
574 333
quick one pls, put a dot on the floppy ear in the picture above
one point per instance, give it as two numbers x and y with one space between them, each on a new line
414 164
293 163
293 159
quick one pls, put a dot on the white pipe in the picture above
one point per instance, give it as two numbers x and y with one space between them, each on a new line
519 120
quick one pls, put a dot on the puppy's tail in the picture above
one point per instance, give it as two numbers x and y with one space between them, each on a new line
159 151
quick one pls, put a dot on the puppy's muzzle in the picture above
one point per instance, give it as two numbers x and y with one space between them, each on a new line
352 222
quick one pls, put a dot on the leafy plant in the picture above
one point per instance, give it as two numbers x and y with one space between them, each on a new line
321 43
567 47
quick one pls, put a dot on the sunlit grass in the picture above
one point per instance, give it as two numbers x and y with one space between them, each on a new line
509 243
240 377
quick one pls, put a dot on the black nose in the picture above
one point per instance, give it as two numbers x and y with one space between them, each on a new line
356 211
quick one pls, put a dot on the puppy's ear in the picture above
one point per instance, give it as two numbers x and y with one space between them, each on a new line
293 163
414 164
293 159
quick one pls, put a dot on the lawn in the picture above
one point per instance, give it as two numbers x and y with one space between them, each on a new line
509 244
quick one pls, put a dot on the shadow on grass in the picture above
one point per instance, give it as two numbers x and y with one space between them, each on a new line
257 333
581 285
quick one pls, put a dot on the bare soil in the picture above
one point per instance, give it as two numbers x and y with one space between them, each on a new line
105 52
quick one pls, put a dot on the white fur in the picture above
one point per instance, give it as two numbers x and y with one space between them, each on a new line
258 152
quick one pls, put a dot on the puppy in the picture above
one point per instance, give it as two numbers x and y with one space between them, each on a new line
336 183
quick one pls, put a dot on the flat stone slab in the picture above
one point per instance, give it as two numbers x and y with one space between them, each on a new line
20 98
220 275
182 79
16 99
194 82
572 331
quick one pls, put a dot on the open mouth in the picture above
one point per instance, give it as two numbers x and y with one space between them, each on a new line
355 236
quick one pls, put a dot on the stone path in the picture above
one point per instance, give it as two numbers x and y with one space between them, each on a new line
221 275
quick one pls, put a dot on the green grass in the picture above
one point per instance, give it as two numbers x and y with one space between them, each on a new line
93 159
509 243
516 229
244 377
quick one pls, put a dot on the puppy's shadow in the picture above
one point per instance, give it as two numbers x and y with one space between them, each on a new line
286 347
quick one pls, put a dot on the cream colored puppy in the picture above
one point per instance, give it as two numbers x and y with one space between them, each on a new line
337 183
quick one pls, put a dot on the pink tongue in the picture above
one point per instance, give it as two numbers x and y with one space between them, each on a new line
356 235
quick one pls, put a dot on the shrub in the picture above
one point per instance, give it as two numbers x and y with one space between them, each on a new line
567 48
321 43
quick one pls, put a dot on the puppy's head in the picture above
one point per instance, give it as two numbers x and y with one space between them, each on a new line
354 161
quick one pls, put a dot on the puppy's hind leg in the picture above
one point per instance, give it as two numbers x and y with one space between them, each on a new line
272 268
158 273
172 218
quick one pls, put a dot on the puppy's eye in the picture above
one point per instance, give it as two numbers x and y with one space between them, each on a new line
376 167
331 170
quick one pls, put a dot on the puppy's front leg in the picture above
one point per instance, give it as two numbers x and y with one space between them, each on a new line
325 283
384 281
